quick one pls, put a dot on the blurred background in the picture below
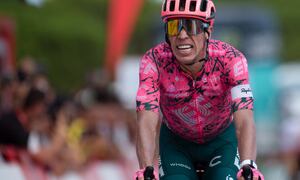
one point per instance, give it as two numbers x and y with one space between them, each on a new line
69 75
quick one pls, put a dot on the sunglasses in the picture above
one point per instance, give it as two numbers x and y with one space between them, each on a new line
191 26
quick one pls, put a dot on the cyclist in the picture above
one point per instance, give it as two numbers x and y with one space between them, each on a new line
200 89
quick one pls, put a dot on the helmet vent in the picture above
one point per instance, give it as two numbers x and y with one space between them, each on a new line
182 5
203 5
172 5
193 5
212 13
165 5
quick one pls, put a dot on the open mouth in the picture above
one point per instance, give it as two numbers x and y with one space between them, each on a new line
184 47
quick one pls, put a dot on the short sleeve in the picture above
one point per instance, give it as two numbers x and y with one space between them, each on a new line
148 94
238 80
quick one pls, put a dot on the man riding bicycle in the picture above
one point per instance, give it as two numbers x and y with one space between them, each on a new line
200 89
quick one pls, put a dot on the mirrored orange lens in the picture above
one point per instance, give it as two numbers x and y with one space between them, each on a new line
173 27
191 26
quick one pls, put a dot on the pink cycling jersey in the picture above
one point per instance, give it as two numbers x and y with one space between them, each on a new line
200 108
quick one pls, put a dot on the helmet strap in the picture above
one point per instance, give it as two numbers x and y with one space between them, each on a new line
167 39
206 52
207 40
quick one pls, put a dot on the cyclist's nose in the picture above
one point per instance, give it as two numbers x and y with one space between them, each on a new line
183 34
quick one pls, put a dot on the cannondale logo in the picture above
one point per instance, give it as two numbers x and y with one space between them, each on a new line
228 177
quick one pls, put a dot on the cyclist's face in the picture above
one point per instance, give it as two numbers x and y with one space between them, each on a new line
188 49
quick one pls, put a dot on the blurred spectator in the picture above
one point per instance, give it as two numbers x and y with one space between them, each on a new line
28 68
40 81
98 79
106 118
97 89
24 75
90 133
8 86
15 125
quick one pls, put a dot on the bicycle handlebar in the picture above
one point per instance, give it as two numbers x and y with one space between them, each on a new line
149 173
247 173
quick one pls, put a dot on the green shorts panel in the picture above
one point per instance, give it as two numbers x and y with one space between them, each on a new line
179 157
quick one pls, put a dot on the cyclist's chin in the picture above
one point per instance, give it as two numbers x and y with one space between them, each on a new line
186 60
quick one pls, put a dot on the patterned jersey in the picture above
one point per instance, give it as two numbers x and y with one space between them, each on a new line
199 108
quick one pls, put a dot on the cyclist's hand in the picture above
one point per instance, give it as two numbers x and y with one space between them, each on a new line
147 173
249 173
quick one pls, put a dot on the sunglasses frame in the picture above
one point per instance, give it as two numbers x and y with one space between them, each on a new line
183 24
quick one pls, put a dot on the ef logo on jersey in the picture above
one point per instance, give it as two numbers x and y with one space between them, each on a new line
240 67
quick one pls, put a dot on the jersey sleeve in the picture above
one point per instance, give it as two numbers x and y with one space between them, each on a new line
148 94
238 81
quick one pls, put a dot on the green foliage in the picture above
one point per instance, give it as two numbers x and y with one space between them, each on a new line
68 36
142 37
289 16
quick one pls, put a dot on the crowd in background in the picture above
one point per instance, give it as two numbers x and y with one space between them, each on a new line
87 134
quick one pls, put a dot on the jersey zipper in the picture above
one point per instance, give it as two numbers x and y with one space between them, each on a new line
197 108
196 105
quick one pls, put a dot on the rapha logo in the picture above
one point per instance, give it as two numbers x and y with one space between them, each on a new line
243 90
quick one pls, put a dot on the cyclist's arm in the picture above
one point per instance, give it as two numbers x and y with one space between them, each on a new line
246 134
147 134
242 103
148 96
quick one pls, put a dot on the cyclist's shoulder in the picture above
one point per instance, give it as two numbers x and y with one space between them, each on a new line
160 52
220 45
223 50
